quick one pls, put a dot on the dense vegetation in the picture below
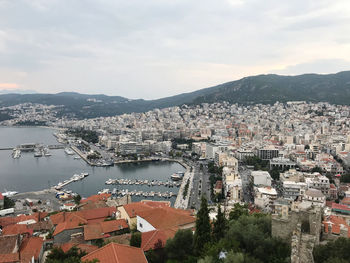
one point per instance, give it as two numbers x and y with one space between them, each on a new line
8 202
337 251
71 256
242 238
265 89
86 135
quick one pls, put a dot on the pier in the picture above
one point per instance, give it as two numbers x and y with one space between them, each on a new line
74 178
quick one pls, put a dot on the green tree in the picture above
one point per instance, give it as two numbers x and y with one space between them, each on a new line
237 211
203 229
73 255
77 199
8 203
181 246
135 239
337 250
219 228
232 257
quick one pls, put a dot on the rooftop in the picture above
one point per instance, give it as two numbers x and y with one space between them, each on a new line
117 253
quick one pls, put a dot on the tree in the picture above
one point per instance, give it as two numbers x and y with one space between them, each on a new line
219 228
203 229
77 199
73 255
237 211
181 246
316 169
135 239
8 203
334 251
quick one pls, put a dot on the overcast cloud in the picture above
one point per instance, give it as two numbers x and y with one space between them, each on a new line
156 48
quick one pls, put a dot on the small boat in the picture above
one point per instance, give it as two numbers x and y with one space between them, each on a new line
77 158
38 154
69 151
176 177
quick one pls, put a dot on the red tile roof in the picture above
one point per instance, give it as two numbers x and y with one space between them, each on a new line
8 244
336 222
95 198
100 230
117 253
341 207
151 238
345 201
10 220
9 258
17 229
70 220
155 204
134 209
167 217
1 196
31 247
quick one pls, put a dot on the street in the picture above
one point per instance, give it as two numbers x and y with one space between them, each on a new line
201 185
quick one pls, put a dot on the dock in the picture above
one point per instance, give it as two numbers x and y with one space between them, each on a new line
74 178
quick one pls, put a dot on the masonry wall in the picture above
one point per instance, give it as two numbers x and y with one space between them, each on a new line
284 228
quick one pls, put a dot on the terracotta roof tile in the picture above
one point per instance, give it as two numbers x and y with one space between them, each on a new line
31 247
95 198
8 244
9 258
117 253
149 239
97 231
134 209
168 217
17 229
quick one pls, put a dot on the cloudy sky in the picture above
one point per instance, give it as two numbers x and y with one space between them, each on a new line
156 48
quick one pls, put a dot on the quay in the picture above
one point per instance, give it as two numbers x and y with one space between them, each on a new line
82 155
74 178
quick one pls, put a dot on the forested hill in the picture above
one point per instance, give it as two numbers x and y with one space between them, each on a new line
266 89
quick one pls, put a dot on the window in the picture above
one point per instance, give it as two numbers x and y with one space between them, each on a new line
140 225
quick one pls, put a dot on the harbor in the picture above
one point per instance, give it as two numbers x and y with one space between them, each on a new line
28 174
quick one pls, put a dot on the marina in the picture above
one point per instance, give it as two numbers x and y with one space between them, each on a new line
142 182
27 174
123 192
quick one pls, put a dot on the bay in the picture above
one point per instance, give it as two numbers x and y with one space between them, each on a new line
29 173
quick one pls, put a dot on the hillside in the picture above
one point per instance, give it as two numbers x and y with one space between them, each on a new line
266 89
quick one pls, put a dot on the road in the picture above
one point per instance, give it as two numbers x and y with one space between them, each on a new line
201 185
246 177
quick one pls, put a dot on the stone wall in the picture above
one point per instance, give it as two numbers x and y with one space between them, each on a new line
283 228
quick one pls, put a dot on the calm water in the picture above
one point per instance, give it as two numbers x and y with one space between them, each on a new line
29 173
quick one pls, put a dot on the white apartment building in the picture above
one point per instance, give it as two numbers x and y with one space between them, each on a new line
261 178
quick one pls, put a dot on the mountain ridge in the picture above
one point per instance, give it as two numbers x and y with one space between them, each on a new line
264 89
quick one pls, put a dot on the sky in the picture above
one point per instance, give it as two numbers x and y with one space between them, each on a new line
157 48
